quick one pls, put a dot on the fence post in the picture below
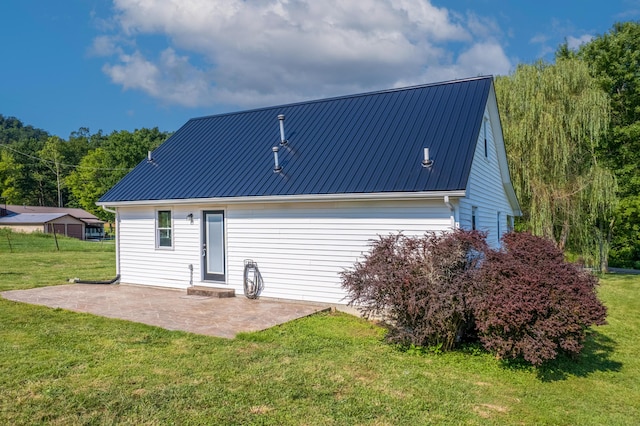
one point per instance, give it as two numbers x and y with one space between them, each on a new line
55 237
9 240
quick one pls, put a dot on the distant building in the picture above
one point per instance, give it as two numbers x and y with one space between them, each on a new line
76 223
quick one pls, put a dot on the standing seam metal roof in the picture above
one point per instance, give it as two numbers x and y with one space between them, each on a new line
366 143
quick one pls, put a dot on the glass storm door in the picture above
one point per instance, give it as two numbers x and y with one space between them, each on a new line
213 245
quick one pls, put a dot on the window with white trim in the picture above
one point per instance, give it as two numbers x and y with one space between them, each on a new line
164 229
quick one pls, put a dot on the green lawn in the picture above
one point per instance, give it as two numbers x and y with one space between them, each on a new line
60 367
34 260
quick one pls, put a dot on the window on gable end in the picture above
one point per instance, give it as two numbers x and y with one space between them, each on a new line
484 130
474 218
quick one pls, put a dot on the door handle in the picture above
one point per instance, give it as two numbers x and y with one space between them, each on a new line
204 250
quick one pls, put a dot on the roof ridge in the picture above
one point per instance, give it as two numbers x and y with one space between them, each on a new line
351 96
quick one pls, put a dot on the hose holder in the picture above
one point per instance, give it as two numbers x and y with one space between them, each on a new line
253 284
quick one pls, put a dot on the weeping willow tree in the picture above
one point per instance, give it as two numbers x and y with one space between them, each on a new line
554 116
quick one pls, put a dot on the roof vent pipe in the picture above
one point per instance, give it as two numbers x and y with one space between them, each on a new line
283 141
277 167
426 162
149 158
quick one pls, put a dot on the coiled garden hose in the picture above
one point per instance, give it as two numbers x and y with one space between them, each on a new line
253 283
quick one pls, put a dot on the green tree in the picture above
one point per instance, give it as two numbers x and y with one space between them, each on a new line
10 171
36 184
12 130
90 180
53 158
554 119
614 60
33 185
78 145
105 165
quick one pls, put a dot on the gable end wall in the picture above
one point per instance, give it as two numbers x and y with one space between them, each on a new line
485 189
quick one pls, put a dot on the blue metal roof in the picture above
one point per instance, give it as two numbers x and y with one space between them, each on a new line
31 218
364 143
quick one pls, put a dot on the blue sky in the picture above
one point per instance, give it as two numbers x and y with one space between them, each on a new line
127 64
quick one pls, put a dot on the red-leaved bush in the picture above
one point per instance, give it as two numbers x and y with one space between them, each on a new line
534 304
419 285
523 301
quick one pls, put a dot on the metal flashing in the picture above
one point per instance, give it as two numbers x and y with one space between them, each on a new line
317 198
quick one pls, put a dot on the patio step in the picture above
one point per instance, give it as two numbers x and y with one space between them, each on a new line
211 291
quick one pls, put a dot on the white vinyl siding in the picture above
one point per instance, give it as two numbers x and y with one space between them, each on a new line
485 191
142 263
300 248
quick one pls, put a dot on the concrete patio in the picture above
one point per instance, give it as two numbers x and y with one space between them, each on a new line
168 308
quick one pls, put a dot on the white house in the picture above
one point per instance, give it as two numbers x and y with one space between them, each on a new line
302 189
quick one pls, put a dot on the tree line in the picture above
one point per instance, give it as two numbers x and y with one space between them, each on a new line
572 132
571 129
39 169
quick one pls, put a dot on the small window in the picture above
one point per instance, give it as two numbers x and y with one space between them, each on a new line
164 234
486 148
474 218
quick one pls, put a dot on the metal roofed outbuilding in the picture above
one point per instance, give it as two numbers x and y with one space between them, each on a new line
351 168
72 222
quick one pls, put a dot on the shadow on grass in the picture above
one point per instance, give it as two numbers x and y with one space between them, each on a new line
595 357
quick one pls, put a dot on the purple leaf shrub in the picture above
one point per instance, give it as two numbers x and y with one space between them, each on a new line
421 286
534 304
523 301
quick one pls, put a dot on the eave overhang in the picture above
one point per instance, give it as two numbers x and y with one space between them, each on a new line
306 198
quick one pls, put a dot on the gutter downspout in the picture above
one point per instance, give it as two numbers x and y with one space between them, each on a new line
447 202
105 208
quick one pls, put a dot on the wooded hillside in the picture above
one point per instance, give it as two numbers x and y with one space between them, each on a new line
43 170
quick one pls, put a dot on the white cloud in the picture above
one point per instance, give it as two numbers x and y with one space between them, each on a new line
576 42
480 59
556 34
482 26
483 56
105 46
171 78
539 39
629 14
248 53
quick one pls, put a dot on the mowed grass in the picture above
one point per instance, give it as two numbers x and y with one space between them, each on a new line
60 367
34 260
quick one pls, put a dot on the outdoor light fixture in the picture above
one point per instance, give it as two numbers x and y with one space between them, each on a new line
190 217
